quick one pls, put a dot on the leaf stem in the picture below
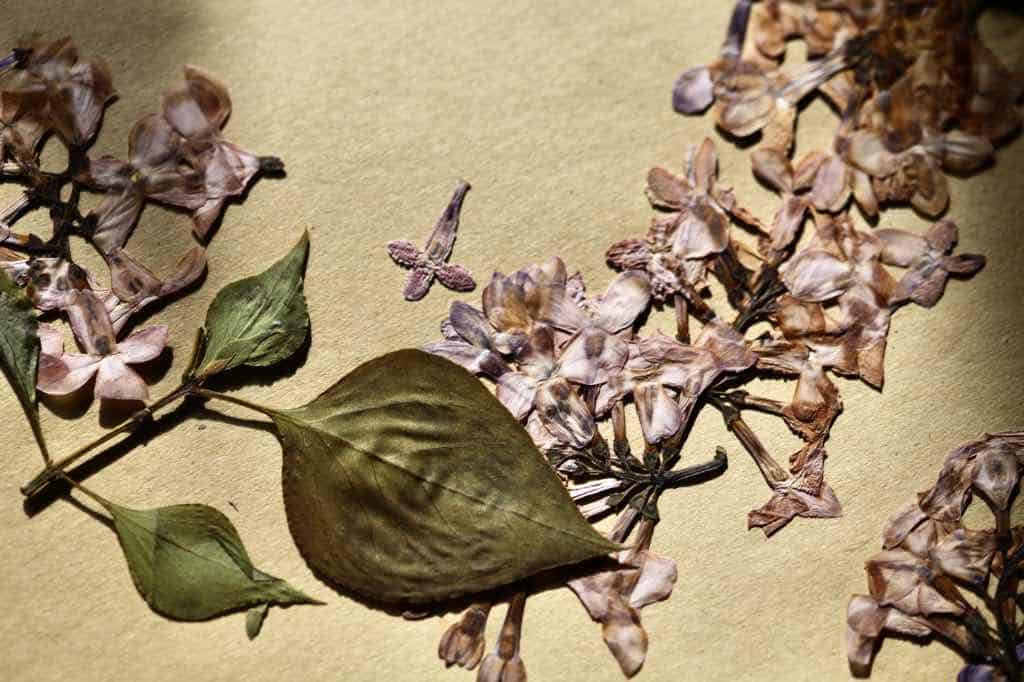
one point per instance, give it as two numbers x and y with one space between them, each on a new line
205 393
57 469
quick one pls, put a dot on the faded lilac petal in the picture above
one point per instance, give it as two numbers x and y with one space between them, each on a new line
199 106
143 345
867 152
901 248
813 275
592 356
901 579
473 358
456 277
996 473
900 524
405 253
658 412
731 351
624 301
657 579
773 168
417 283
90 322
115 381
115 217
693 91
703 230
831 187
563 413
703 166
966 554
516 392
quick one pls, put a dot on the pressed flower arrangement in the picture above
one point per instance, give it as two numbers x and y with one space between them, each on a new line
409 485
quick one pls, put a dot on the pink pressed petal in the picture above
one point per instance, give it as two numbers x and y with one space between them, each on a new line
592 356
152 142
456 277
51 341
115 381
772 167
657 579
90 322
516 392
143 345
831 187
900 248
116 216
625 300
665 190
64 374
188 270
703 230
704 166
417 283
658 412
107 172
867 152
405 253
813 275
205 216
693 92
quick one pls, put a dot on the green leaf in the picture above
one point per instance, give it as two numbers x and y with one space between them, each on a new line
19 349
254 618
259 320
408 482
188 563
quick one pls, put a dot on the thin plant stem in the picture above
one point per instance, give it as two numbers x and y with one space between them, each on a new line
205 393
57 469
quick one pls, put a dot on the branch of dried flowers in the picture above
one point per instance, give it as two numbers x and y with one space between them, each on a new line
929 556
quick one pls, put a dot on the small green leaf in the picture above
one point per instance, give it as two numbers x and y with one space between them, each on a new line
254 618
408 482
259 320
188 563
19 349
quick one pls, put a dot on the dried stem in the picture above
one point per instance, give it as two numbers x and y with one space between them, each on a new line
58 468
682 318
771 470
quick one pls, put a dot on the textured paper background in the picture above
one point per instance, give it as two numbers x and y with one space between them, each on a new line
554 111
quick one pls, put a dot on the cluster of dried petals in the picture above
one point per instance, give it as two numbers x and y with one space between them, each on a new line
918 92
177 157
931 562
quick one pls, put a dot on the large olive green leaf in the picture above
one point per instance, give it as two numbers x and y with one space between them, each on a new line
188 563
259 320
408 482
19 349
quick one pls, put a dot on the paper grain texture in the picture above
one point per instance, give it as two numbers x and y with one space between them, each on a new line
554 111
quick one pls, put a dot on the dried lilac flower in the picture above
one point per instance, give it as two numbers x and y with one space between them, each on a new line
197 110
431 262
929 560
505 664
614 598
61 373
463 643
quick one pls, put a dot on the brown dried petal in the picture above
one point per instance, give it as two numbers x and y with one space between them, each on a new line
832 186
625 637
703 230
996 473
665 190
866 151
814 275
198 107
463 643
901 248
901 524
773 168
966 555
629 254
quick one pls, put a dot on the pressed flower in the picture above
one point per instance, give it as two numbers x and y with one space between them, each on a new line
927 260
805 493
61 373
133 286
432 261
76 90
197 110
865 622
614 598
505 663
155 170
463 643
469 342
